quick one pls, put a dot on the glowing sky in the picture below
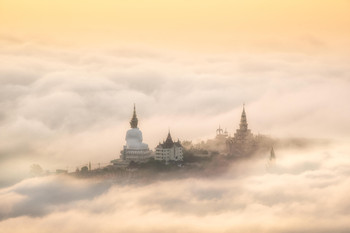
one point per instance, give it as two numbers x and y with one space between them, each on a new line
222 25
71 70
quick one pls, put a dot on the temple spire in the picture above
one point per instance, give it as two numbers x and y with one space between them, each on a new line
169 136
272 154
169 141
243 124
134 120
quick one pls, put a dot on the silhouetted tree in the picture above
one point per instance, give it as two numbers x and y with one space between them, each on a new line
84 169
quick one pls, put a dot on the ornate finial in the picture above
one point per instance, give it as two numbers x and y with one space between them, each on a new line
219 131
134 120
169 135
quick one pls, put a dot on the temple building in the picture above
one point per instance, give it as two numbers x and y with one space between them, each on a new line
218 143
169 150
243 142
221 135
134 150
220 139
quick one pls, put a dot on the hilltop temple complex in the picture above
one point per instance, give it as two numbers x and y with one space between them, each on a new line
243 143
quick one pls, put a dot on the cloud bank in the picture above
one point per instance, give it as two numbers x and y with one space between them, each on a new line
63 107
306 191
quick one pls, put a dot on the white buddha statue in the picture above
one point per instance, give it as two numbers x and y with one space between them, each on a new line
134 135
134 150
134 139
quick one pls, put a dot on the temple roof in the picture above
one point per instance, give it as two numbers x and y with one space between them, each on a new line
178 143
169 143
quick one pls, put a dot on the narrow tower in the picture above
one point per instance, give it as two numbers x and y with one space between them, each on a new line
271 163
242 142
134 120
243 125
272 154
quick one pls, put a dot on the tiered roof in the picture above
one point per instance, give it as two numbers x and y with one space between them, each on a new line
169 143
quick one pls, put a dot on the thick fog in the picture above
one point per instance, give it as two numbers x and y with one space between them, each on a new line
306 190
64 107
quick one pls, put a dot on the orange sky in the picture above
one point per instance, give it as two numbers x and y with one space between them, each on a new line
221 25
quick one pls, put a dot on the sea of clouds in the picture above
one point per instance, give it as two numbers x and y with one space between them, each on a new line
305 190
63 107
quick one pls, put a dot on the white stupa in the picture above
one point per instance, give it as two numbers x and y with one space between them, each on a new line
135 150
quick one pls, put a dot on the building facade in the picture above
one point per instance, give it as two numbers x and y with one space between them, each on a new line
169 150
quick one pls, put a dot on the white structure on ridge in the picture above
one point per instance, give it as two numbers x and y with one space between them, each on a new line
135 150
169 150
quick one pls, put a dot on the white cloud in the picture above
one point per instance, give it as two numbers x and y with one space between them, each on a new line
63 107
305 192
